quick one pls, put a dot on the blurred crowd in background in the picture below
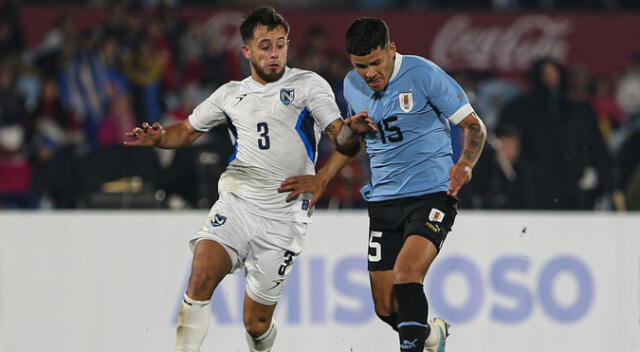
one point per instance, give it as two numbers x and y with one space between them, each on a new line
560 139
600 5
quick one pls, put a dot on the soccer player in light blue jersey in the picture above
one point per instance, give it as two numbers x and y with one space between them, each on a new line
411 196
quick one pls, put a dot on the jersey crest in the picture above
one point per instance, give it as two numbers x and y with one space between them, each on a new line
287 95
406 101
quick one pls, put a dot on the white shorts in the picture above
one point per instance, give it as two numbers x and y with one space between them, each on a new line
264 248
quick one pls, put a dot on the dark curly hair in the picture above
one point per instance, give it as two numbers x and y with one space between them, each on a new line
262 16
365 35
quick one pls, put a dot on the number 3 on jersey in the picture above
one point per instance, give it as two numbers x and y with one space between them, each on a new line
263 141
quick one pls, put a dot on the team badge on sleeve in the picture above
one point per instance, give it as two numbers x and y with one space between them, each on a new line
287 95
406 101
436 215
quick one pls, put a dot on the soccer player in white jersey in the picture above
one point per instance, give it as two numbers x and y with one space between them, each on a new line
275 116
414 181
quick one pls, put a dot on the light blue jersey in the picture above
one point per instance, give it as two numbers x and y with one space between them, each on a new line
410 155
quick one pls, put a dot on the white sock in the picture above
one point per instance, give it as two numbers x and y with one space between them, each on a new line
265 342
193 324
434 336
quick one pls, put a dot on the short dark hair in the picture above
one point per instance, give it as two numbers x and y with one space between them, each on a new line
265 16
365 35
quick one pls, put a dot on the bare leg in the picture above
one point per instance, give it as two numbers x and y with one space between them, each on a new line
210 265
409 271
261 331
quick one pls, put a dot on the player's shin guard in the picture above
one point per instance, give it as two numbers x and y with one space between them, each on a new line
193 323
264 342
392 320
412 316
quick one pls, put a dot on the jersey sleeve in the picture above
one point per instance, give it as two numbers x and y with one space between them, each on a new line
209 113
322 102
445 94
347 88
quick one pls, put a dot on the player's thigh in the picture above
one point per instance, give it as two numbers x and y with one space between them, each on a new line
414 260
270 259
231 225
385 235
212 257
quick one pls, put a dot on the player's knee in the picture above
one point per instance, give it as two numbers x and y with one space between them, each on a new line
201 284
256 326
384 304
384 308
403 274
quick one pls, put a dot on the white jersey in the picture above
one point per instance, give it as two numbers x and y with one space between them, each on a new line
276 128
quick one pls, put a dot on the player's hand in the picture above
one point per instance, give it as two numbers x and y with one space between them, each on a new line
297 185
459 175
145 136
361 123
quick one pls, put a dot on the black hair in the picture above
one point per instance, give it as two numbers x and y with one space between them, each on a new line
262 16
535 74
365 35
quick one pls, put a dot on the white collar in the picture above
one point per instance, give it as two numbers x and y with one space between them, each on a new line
396 66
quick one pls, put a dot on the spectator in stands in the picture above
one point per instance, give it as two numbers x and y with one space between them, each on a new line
144 69
492 93
629 158
609 113
11 37
84 85
110 56
15 172
561 141
628 90
501 179
118 121
53 134
49 52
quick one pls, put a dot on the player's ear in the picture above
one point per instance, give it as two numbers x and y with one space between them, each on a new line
392 48
246 52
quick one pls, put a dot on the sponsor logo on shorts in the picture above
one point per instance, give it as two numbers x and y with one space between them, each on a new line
436 215
305 204
277 283
218 220
433 227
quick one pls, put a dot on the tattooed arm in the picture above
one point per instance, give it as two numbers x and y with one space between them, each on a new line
475 133
347 134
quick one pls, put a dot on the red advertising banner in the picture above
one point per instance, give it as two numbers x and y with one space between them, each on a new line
501 42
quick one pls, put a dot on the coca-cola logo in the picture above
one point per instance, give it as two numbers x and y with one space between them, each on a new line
510 47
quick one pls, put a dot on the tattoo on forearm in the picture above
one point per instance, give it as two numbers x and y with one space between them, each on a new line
347 141
474 137
346 136
330 130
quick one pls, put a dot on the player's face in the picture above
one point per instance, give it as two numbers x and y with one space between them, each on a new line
267 53
376 67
